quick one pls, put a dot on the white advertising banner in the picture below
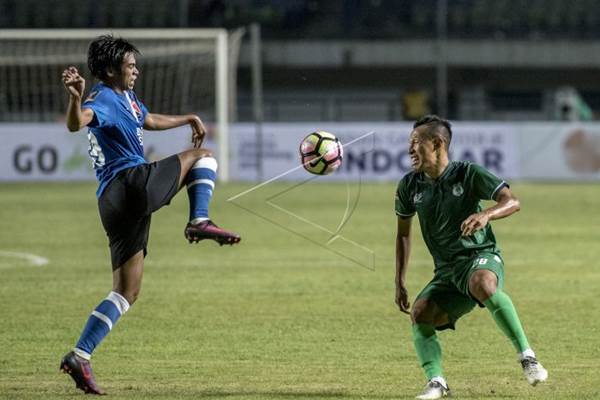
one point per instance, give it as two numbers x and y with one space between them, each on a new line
372 151
42 152
49 152
560 151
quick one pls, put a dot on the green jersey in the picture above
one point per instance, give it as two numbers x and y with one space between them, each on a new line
442 205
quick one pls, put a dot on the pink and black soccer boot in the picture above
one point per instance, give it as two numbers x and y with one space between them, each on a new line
208 230
81 372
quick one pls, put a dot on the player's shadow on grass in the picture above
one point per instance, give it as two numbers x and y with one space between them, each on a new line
214 393
286 394
312 395
276 394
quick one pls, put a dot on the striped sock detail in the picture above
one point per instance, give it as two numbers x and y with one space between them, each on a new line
200 186
119 301
100 323
201 181
82 354
103 318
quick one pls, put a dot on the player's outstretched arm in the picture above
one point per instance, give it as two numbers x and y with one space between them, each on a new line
75 85
402 254
159 122
506 204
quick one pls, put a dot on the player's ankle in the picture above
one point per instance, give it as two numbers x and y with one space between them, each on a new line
526 353
440 380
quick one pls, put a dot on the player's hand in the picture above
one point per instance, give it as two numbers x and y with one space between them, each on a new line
474 223
73 82
198 131
402 299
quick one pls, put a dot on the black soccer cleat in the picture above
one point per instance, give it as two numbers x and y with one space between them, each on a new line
81 372
208 230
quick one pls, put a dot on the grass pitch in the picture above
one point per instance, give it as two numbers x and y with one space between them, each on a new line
280 317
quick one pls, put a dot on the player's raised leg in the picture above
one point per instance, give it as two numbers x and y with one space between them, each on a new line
199 173
483 286
426 315
127 281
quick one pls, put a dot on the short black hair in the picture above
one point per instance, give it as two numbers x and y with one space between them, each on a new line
437 127
107 53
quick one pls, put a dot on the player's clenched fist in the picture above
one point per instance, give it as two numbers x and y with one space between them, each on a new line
198 130
74 83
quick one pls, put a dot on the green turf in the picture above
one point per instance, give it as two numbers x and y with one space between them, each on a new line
279 317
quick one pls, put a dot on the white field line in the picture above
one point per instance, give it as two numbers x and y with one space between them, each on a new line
31 258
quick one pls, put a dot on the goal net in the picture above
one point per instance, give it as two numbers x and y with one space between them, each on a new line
182 71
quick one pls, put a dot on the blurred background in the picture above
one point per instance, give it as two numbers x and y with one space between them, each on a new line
378 59
319 62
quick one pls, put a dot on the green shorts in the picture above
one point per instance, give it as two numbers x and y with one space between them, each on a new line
450 289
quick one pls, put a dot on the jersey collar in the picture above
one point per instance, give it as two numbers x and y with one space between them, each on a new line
440 178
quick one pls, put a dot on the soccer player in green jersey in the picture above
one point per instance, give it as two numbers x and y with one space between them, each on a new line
469 269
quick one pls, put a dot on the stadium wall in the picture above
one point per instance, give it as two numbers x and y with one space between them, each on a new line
373 151
494 53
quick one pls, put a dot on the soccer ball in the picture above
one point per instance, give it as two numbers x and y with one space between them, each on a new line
321 153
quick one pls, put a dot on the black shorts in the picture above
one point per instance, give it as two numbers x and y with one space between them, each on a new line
128 202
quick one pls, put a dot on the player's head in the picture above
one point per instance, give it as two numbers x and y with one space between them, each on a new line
112 60
430 137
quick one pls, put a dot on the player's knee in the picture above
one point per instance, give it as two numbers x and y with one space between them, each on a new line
419 313
207 161
202 153
482 285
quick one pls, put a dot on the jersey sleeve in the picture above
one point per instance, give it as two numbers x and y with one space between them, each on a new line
103 107
404 206
484 184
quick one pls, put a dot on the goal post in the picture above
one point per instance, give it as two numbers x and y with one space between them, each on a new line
182 71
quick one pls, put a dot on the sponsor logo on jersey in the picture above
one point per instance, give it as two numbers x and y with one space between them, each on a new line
457 190
140 135
418 198
92 96
136 109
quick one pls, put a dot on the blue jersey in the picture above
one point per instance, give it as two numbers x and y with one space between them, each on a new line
115 133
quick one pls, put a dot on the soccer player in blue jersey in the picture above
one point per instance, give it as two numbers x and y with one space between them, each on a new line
469 269
130 189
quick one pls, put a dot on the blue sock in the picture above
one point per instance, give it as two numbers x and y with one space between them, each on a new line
200 185
100 322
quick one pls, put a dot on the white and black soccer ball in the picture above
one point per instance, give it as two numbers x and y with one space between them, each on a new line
321 153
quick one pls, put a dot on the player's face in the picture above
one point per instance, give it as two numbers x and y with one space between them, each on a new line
421 150
129 72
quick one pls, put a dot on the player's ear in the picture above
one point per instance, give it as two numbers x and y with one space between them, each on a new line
110 73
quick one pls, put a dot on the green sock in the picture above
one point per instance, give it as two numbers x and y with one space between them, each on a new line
504 313
428 349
